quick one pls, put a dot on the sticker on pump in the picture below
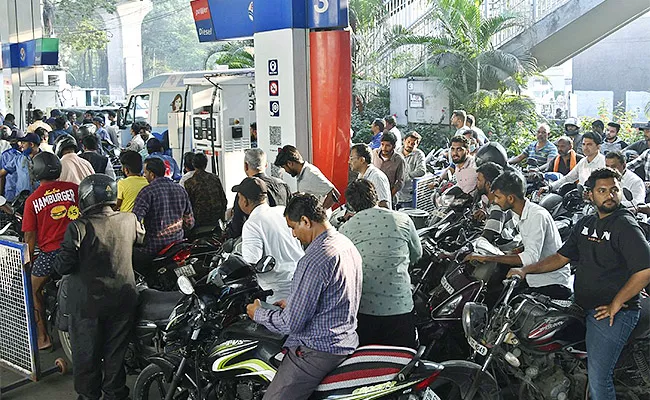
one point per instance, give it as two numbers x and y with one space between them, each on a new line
274 108
274 88
273 67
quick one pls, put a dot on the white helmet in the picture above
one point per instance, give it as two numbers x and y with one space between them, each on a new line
571 121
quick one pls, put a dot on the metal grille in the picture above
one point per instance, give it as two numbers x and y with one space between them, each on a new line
17 347
423 194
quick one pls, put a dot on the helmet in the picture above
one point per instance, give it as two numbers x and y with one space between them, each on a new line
46 166
493 152
64 142
97 190
571 121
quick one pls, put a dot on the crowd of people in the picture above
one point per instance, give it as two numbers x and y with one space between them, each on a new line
336 289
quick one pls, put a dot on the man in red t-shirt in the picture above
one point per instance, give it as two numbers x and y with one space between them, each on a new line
47 213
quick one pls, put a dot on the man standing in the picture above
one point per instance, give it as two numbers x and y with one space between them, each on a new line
188 168
463 167
320 315
165 209
391 126
7 163
415 167
101 132
101 164
566 160
253 135
310 179
612 256
278 191
47 213
265 233
129 187
137 142
112 127
629 180
60 125
459 121
572 130
73 168
612 142
23 164
390 163
542 151
155 149
377 128
592 161
539 235
38 122
206 194
471 125
101 290
10 121
361 162
389 245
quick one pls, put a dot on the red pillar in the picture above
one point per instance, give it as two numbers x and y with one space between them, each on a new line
331 103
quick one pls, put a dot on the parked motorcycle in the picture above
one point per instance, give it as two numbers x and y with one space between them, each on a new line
537 345
220 353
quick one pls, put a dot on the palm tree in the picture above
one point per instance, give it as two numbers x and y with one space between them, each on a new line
461 54
234 54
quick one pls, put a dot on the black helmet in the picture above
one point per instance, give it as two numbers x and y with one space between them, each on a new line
64 142
97 190
493 152
46 166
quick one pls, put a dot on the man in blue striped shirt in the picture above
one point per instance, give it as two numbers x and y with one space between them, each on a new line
320 315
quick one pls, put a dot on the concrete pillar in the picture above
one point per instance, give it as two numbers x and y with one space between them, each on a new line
124 51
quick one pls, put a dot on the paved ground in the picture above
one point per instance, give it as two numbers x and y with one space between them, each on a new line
54 386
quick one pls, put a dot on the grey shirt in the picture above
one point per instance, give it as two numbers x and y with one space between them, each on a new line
415 168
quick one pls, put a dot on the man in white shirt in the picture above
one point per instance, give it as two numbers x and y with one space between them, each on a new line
391 126
629 180
361 162
458 121
592 161
539 235
265 232
471 125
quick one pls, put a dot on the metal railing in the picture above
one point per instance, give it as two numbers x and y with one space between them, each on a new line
377 59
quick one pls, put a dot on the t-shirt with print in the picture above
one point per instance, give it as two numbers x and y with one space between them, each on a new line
48 211
128 189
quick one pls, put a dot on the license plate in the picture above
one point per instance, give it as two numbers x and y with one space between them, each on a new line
480 349
445 284
187 270
429 394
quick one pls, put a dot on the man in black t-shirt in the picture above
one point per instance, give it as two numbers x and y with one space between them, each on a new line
613 266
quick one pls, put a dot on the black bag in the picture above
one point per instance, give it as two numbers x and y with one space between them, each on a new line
62 312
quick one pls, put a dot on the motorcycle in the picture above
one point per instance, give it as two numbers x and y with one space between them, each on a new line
220 353
538 344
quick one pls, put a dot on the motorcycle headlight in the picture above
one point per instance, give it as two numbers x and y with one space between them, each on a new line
449 307
475 316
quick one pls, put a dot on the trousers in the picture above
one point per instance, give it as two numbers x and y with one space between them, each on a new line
604 346
301 371
98 349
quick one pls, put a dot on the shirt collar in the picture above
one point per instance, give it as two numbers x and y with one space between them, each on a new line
302 172
524 212
259 209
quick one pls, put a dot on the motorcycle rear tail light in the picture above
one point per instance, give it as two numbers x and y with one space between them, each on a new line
182 256
428 381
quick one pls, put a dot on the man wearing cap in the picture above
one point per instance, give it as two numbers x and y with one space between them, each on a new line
10 122
612 142
572 130
22 165
8 181
155 149
265 233
98 121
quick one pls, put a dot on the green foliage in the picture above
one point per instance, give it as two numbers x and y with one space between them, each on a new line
628 133
77 22
234 54
362 116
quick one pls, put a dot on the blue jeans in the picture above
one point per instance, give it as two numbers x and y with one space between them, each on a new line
604 346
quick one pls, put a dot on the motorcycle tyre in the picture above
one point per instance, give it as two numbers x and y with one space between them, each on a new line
64 339
460 373
147 377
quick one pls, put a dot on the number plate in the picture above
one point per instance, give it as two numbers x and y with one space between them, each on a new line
429 394
445 284
480 349
187 270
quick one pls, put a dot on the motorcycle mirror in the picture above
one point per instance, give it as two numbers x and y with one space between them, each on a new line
532 162
628 194
185 285
265 264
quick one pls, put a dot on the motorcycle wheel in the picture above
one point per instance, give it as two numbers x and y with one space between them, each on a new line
151 384
456 379
64 338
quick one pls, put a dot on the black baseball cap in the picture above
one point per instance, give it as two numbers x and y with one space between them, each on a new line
251 188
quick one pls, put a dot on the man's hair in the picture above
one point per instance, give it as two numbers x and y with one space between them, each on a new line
460 114
111 113
546 126
616 155
470 119
255 158
593 136
254 126
286 154
601 173
460 139
132 161
380 123
59 122
41 132
472 133
200 161
564 139
10 117
37 114
155 165
90 142
362 150
615 125
154 146
188 161
490 171
390 120
389 137
361 195
598 124
304 205
510 183
415 135
136 126
70 114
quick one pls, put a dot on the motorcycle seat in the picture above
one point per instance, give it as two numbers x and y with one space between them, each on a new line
154 305
368 365
642 329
